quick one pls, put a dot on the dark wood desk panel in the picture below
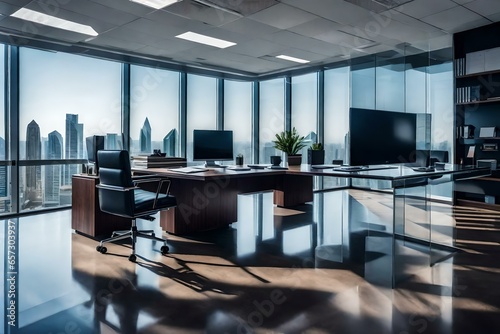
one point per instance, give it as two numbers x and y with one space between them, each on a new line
86 217
208 200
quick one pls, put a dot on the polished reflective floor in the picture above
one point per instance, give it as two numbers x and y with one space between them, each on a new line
295 276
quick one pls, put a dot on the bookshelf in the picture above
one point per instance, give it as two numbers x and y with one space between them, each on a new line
477 106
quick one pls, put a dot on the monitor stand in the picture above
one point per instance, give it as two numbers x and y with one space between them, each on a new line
212 164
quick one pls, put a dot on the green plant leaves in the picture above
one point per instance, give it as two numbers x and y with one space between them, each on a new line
289 142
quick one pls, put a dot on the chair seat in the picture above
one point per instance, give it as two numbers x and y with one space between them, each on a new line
144 200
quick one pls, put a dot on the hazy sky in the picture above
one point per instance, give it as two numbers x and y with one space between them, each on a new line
55 84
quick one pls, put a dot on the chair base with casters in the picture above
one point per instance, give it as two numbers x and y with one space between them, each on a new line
133 233
120 195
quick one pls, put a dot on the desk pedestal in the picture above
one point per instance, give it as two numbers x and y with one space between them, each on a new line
86 217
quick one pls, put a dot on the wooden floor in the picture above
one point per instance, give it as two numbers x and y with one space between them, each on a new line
204 286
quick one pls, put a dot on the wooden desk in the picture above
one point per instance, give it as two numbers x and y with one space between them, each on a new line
86 217
208 200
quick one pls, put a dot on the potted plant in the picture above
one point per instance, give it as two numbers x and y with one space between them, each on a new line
316 154
290 142
239 159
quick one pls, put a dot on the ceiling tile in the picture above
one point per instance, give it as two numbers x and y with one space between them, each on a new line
257 48
335 10
291 39
7 9
116 43
316 27
126 6
19 3
154 28
250 28
452 19
98 25
177 23
484 7
282 16
421 8
202 13
98 11
461 2
494 17
124 33
32 30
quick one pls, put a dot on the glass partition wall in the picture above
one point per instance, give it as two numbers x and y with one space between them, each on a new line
63 98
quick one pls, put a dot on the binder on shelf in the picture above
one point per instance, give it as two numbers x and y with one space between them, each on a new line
468 131
487 132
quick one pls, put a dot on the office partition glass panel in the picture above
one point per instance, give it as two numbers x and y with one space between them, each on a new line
305 108
390 84
154 110
363 83
416 90
336 113
441 109
63 98
5 191
271 117
201 107
238 116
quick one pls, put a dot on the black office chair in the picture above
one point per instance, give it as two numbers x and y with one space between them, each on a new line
120 196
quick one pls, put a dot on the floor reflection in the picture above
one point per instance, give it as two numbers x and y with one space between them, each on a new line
304 276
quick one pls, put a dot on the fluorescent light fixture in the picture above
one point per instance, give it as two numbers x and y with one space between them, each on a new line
52 21
156 4
199 38
297 60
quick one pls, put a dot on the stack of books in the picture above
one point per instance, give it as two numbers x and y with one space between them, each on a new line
152 161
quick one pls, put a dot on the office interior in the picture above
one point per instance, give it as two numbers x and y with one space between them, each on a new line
142 88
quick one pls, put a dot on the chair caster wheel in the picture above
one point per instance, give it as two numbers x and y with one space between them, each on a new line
101 249
132 258
164 250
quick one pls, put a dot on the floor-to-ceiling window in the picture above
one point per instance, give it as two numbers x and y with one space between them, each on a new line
63 98
201 107
271 116
238 116
305 109
5 193
154 110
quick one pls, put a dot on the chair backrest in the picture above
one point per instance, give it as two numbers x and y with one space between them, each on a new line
114 170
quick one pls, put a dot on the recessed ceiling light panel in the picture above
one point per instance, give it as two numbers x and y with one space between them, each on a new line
156 4
297 60
207 40
52 21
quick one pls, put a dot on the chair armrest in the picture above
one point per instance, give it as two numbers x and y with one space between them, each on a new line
154 178
115 188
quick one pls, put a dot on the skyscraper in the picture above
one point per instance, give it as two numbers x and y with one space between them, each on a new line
71 145
169 143
33 190
145 137
53 172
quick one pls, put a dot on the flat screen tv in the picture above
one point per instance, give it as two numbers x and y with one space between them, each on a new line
381 137
212 145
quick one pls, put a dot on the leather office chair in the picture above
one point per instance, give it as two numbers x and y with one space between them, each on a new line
119 195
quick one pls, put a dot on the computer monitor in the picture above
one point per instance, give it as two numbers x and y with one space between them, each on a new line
380 137
212 145
94 144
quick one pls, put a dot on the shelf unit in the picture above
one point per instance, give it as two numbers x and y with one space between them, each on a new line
484 111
